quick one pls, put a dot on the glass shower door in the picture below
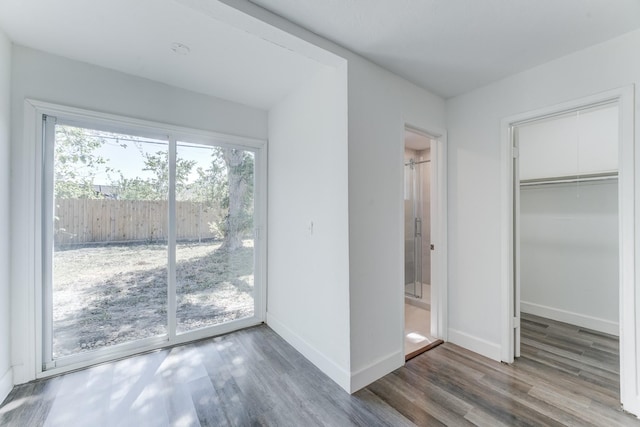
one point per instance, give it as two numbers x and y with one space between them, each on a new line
413 230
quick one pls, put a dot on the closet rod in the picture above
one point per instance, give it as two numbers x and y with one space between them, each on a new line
570 179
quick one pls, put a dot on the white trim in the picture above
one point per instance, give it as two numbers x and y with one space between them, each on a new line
260 239
6 384
27 349
172 299
629 249
44 186
578 319
439 237
326 365
516 231
375 370
24 312
506 246
629 184
477 345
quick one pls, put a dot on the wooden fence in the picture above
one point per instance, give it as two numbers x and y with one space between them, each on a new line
80 221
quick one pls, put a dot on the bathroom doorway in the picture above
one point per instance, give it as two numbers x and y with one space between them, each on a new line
418 243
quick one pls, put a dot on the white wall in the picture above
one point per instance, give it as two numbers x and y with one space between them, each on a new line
380 103
474 130
569 253
6 378
308 245
55 79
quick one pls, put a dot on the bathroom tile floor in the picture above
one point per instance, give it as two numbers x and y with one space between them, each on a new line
417 325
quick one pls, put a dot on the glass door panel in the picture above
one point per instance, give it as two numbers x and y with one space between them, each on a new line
214 235
413 230
108 277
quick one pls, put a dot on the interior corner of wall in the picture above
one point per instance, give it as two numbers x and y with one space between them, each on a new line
476 344
329 367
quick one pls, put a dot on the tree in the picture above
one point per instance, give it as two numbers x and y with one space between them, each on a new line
227 183
155 187
133 189
210 187
76 162
239 200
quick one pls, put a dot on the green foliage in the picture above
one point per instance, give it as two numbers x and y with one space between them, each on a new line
76 163
157 186
134 189
211 186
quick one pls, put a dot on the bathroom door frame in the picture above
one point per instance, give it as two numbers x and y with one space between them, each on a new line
628 186
438 226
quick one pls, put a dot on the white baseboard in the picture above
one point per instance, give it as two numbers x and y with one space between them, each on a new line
475 344
326 365
633 407
6 384
376 370
584 321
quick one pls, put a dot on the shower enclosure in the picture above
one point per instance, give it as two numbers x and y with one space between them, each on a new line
417 253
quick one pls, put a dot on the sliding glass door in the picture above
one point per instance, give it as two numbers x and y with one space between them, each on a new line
148 240
109 251
214 222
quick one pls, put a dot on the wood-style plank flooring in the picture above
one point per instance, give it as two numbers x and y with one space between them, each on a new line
566 376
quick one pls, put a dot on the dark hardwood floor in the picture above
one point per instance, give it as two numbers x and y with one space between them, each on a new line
566 376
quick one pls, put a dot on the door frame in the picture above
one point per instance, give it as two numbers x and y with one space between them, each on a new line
33 332
628 184
438 195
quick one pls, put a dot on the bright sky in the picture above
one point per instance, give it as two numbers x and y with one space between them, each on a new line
130 159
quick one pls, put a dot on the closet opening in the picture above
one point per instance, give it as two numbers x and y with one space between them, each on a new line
566 242
419 335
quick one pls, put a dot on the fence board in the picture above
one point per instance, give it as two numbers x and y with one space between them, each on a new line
80 221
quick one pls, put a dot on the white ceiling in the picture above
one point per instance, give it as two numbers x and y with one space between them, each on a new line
135 36
448 47
454 46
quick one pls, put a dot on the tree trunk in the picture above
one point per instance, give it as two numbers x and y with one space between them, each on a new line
237 188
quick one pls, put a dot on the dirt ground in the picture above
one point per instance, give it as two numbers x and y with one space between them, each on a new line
109 295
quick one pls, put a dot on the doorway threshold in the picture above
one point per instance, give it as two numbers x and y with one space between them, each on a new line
422 350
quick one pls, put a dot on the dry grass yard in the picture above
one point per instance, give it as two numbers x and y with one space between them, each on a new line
111 294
